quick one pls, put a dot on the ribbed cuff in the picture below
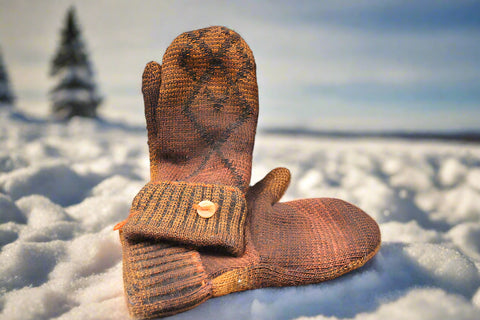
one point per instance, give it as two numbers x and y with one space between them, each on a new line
161 279
168 211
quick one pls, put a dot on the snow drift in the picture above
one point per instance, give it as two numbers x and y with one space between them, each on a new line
64 186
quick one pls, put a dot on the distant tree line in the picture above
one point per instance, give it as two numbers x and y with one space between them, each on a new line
75 93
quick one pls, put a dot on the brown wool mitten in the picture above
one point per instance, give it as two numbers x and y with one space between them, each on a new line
292 243
196 230
201 108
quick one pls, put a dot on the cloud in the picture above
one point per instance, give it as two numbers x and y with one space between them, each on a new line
391 16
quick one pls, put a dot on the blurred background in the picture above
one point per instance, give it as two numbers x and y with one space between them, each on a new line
322 65
345 66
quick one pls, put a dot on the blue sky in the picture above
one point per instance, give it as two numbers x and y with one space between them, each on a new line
344 65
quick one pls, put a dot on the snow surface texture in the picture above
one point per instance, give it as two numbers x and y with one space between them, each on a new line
64 186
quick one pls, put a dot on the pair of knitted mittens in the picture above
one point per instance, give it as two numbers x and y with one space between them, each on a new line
197 230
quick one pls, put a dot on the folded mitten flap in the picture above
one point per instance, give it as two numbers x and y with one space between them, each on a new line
201 215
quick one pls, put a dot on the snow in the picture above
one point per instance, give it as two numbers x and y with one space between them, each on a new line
64 186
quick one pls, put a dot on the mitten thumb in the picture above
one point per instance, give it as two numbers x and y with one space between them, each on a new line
272 187
151 81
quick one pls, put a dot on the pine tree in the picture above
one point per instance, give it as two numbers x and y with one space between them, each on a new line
6 95
76 93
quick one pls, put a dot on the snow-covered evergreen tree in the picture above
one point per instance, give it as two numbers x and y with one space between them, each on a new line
6 95
76 92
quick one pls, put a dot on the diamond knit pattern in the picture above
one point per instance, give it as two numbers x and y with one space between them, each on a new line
207 109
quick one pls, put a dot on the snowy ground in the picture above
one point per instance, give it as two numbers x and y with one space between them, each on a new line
63 187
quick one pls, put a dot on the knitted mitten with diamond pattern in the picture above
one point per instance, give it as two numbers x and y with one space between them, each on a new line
201 107
196 230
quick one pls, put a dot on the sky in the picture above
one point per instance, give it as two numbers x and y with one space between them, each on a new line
325 65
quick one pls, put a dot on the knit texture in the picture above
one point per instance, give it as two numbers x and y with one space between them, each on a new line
161 279
168 211
292 243
201 108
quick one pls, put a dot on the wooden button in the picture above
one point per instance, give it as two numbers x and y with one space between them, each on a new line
206 208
